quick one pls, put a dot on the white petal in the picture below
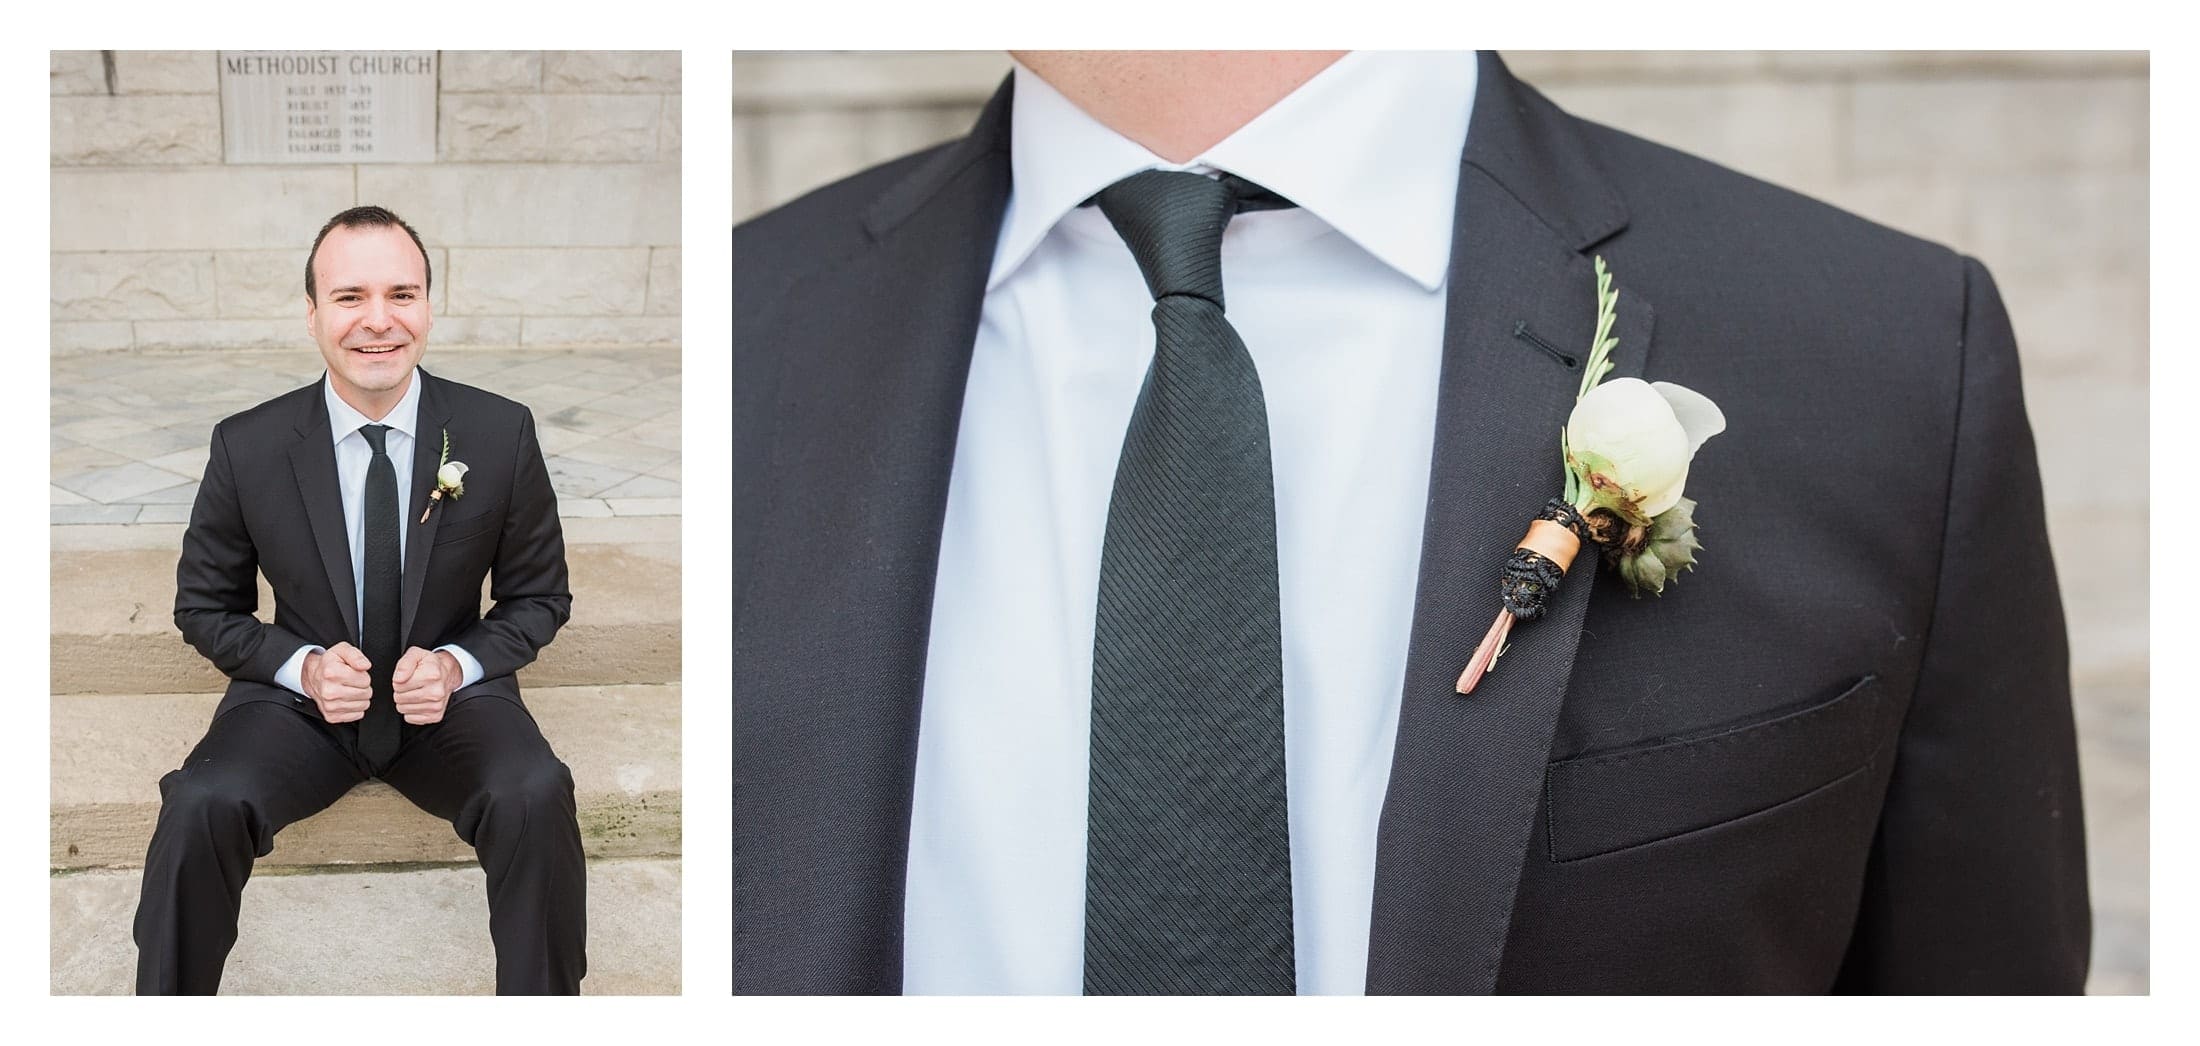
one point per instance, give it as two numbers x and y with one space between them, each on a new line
1656 502
1699 417
1613 413
1627 423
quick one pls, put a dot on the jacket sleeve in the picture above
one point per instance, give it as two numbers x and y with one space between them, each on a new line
1977 879
527 580
217 581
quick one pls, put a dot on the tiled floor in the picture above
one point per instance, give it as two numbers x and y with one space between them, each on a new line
130 430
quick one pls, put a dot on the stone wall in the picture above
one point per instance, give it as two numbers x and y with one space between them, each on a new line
551 214
2036 163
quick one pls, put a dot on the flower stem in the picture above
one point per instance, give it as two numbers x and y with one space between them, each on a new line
1566 458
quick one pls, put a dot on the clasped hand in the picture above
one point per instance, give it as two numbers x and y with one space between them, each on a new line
337 680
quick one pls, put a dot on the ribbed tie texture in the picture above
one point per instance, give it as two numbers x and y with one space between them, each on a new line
380 617
1188 861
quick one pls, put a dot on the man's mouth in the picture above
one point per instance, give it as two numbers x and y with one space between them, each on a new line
375 350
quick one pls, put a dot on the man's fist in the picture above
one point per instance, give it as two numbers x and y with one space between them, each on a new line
422 684
336 680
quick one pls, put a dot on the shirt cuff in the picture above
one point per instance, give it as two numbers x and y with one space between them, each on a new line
469 670
291 676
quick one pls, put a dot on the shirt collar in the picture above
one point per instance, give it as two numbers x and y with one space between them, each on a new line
1370 145
343 420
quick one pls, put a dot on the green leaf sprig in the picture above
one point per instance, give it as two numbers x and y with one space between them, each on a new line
1600 354
1599 365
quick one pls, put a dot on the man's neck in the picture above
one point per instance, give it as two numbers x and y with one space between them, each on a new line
1176 103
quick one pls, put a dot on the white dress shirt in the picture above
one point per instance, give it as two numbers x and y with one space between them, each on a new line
1341 303
352 458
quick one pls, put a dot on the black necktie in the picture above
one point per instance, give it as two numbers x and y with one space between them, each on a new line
1188 860
379 616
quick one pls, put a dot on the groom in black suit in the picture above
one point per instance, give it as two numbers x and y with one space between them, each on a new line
1837 756
375 502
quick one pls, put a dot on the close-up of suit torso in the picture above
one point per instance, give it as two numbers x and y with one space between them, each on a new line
1837 755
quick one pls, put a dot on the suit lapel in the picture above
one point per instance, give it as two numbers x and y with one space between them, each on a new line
428 432
832 631
1467 771
313 463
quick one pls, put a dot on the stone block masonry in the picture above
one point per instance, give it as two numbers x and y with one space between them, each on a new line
551 212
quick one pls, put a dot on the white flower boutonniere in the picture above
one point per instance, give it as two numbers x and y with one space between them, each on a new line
450 478
1626 450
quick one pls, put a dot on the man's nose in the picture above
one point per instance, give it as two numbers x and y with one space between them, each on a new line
378 316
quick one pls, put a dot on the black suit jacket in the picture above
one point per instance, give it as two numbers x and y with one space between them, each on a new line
269 503
1836 756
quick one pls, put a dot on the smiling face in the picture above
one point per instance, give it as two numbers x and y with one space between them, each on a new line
370 313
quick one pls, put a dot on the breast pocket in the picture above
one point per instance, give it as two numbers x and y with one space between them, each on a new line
459 530
1610 801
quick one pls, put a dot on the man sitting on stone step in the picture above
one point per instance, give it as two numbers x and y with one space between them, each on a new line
375 502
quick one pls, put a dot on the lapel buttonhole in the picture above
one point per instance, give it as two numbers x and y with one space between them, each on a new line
1527 336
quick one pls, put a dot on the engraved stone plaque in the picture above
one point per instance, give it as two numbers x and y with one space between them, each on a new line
328 106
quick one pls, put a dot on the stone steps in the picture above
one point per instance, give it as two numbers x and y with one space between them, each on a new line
110 750
331 932
113 593
371 896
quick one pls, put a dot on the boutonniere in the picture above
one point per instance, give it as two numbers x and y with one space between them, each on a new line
1626 450
450 478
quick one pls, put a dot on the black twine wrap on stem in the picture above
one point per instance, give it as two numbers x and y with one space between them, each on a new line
1530 577
1558 511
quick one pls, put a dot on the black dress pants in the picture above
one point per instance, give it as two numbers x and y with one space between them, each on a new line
485 768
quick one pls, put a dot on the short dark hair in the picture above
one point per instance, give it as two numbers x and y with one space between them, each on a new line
363 218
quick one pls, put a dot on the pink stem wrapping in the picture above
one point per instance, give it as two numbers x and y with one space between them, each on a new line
1485 655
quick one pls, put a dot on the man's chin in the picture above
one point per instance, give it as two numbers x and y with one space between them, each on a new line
387 372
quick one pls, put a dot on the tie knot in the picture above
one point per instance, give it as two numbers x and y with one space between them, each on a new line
1173 222
375 434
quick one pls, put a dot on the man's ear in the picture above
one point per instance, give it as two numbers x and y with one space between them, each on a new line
309 315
